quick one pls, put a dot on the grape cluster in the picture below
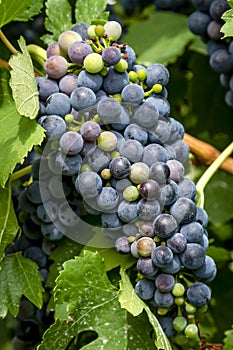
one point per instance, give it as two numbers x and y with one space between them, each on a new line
114 157
161 5
206 22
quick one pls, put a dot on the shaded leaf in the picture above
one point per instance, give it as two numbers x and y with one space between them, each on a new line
19 276
219 254
8 221
162 40
87 10
217 191
23 83
17 134
133 304
58 19
13 9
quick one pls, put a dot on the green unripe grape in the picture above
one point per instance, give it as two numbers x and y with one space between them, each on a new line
191 331
190 309
178 290
113 30
139 173
157 88
121 66
130 193
86 167
162 311
91 31
67 38
105 174
145 246
107 141
93 63
141 74
104 72
180 339
115 154
69 118
179 323
117 97
99 30
133 77
179 300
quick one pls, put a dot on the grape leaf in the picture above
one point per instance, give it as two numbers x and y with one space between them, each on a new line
228 340
219 254
91 304
227 28
19 276
8 221
133 304
30 11
86 10
17 134
58 19
12 9
23 83
162 40
66 250
220 187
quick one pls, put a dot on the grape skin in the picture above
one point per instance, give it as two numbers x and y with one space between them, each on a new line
71 142
56 66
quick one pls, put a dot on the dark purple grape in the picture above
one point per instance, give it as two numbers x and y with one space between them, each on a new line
198 294
162 256
145 289
193 256
164 282
150 190
122 245
164 225
90 131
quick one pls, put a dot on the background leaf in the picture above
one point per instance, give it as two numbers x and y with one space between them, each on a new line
87 10
58 19
19 276
23 83
13 9
17 134
30 11
133 304
8 221
163 38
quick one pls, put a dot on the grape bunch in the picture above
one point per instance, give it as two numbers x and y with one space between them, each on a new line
161 5
206 22
115 159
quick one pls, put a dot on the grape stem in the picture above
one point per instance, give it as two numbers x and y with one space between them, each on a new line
20 173
211 170
5 64
7 42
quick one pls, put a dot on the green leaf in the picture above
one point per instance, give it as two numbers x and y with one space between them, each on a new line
66 250
162 38
217 191
87 10
139 330
13 9
17 134
227 28
228 340
91 304
219 254
30 11
8 221
58 19
23 83
19 276
133 304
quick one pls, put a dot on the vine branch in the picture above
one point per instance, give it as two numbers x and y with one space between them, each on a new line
207 153
7 43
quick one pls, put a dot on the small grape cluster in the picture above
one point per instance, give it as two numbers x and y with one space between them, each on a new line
206 22
114 156
161 5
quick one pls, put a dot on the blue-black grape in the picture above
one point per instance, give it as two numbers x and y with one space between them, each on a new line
108 198
119 167
78 50
89 184
154 153
114 81
135 132
82 97
177 242
163 299
157 74
160 172
183 210
109 110
145 289
207 270
198 22
68 83
90 131
165 225
193 257
122 245
51 232
132 150
148 210
159 103
127 211
198 294
162 256
71 142
193 232
91 81
111 55
144 115
150 190
164 282
133 93
36 254
110 220
68 165
54 126
59 104
46 87
146 267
